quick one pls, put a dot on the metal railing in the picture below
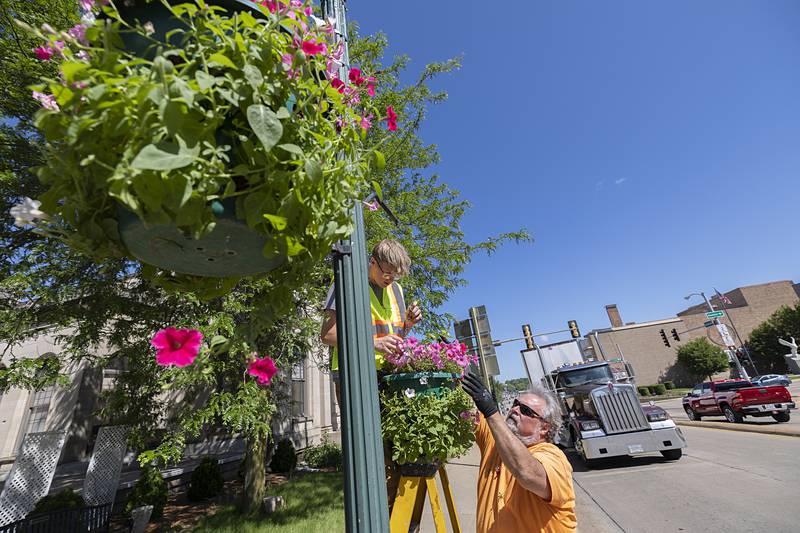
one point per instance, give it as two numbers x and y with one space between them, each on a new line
79 520
619 409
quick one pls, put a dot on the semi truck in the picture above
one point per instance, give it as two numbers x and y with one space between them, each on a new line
604 416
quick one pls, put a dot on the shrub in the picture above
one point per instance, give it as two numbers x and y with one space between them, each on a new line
285 457
206 481
659 389
643 391
326 455
66 499
150 489
669 385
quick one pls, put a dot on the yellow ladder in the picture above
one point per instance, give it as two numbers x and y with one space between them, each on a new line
410 501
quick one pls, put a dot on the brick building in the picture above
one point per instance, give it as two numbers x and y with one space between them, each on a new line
641 343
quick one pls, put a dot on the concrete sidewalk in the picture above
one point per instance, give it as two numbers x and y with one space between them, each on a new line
463 474
748 427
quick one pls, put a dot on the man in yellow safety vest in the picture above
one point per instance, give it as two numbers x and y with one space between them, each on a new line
391 321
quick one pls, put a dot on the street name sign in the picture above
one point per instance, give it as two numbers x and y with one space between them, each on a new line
708 323
715 314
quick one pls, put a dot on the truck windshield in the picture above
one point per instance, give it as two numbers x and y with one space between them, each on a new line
576 377
719 387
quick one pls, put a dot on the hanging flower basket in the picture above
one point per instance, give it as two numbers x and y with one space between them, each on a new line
424 413
209 139
422 383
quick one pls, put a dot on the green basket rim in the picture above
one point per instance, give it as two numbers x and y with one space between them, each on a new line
417 375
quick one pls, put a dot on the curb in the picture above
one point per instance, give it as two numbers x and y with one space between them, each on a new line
740 427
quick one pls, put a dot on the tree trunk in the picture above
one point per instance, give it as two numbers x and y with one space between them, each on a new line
254 474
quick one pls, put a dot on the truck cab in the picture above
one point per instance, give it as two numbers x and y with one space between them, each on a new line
605 417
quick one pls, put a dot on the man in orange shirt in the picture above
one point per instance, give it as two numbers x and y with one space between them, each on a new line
524 481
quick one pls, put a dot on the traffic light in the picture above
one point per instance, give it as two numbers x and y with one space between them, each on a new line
675 335
526 332
573 329
664 338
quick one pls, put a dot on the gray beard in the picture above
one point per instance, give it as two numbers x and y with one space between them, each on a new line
512 425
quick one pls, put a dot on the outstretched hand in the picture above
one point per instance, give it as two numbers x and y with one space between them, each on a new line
480 394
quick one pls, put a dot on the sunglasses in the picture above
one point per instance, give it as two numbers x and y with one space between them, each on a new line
525 410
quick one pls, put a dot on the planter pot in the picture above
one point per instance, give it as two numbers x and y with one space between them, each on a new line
164 22
423 383
419 469
231 249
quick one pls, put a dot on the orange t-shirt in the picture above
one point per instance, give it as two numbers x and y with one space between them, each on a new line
506 507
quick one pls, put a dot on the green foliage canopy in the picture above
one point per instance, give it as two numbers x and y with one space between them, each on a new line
763 342
702 358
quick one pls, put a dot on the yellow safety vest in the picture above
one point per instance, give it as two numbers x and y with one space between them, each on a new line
388 316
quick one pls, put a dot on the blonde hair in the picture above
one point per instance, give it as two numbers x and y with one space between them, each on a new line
393 254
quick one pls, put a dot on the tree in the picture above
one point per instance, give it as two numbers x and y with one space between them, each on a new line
763 342
518 385
106 314
702 358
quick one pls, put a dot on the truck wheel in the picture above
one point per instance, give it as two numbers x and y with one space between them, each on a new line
781 417
691 414
589 463
731 415
672 455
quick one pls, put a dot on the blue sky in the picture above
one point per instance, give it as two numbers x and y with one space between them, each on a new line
650 147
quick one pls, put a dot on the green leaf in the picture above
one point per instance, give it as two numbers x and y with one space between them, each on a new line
162 156
291 148
378 191
293 246
204 81
313 170
283 113
380 163
253 76
265 125
221 60
278 222
70 68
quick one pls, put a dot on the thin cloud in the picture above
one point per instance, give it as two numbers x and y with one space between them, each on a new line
620 181
598 185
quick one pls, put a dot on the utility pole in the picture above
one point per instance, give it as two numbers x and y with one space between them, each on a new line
365 501
717 323
735 331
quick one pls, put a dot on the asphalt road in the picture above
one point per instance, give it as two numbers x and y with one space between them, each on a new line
725 481
675 408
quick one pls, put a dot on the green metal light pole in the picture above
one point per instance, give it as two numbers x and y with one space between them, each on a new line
365 501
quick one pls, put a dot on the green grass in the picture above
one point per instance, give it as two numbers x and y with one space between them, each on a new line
314 503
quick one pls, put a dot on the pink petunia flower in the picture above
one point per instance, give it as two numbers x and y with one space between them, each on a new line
338 84
287 60
263 369
83 55
48 101
78 32
391 119
312 48
371 85
58 46
42 53
366 123
355 75
372 206
177 347
86 5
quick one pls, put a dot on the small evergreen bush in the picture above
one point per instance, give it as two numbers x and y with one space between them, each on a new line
206 481
669 385
643 391
285 458
326 455
659 389
66 499
150 489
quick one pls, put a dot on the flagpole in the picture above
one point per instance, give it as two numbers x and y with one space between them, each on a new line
722 299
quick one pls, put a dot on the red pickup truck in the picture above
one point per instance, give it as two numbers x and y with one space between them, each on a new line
737 398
